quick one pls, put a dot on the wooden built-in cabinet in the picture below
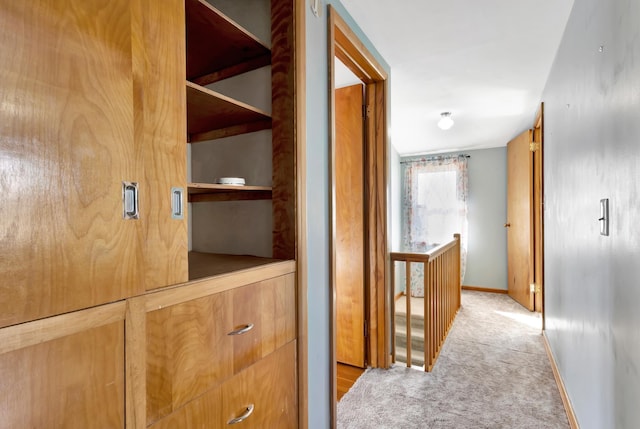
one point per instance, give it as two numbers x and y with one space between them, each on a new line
106 319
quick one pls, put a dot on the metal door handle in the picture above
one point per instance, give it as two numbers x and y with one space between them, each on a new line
243 417
130 209
176 203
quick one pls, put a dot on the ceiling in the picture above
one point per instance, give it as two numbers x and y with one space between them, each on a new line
485 61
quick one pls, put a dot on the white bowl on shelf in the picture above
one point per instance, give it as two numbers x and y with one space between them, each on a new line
236 181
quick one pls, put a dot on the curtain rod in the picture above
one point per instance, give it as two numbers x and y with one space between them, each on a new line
434 158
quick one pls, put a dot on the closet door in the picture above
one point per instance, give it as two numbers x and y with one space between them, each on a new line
66 146
160 131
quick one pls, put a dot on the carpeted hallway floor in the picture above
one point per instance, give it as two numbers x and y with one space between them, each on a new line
493 372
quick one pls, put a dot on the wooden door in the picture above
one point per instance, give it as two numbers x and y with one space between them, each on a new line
66 146
349 226
160 133
520 219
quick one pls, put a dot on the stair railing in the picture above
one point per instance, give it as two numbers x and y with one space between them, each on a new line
441 296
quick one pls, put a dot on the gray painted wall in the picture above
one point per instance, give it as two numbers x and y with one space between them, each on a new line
317 116
487 204
487 213
592 151
395 200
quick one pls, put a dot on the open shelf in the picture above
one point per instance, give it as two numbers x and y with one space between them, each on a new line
212 115
201 192
217 47
203 265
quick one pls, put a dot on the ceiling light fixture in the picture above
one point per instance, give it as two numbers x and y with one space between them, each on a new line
445 121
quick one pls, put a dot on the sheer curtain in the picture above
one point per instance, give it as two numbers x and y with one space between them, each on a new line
434 206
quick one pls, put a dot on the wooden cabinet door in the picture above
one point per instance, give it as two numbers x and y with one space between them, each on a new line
74 381
90 99
160 137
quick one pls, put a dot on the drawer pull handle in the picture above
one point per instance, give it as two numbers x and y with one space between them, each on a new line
246 328
243 417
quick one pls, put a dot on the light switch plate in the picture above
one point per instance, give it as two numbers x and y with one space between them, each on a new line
604 216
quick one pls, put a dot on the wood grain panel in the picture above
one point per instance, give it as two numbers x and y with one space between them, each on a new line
350 226
377 226
202 192
232 44
270 386
270 307
230 131
519 219
43 330
208 110
211 264
188 352
136 362
66 145
283 131
347 376
160 124
203 412
76 381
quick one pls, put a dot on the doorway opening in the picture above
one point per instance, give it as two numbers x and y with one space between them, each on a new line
347 48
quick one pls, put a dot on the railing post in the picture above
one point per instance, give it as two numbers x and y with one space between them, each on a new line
458 269
407 292
425 338
392 273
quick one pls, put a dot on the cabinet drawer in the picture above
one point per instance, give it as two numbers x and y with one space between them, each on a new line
268 387
190 349
75 381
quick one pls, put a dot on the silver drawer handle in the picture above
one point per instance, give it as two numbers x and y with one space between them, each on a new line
243 417
246 328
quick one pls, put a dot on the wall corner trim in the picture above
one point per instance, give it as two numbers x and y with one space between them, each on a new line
571 415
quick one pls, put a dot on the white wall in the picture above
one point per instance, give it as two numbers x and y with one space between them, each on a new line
317 116
592 151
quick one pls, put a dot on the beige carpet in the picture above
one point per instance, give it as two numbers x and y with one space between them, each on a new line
493 372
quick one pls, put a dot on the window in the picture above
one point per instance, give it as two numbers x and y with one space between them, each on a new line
434 207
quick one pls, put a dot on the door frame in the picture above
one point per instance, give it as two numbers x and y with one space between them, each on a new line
538 210
346 46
